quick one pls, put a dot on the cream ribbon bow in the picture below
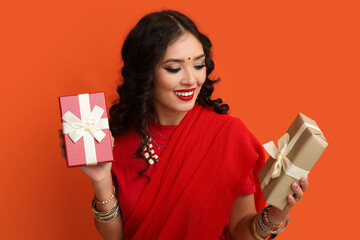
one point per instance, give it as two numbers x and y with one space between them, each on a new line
282 162
77 128
279 153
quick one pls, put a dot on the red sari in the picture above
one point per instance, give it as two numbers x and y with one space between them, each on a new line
197 179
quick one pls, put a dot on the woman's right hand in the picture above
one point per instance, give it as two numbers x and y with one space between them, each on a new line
97 173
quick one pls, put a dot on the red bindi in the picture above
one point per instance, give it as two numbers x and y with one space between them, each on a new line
188 58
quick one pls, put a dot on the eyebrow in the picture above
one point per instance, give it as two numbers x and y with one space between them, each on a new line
182 60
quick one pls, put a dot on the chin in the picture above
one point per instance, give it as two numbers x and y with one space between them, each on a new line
188 106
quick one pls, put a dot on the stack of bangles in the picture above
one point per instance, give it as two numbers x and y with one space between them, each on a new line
257 222
109 215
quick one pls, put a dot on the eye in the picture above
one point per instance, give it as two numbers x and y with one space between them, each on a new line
172 70
199 66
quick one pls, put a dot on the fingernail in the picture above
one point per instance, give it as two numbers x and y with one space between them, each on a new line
303 180
295 186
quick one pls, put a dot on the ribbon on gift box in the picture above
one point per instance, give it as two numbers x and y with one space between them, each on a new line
89 127
280 155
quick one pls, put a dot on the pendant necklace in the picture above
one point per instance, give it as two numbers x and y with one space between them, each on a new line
158 133
149 152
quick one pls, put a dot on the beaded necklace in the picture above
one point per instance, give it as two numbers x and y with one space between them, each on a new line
149 153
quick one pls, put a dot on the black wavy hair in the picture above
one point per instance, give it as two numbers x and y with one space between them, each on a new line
143 48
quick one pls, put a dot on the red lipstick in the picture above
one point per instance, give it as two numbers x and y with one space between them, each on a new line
185 94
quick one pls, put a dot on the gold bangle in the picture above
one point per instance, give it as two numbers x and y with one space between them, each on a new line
253 230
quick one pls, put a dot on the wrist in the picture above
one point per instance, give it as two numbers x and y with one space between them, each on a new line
273 217
267 226
100 183
103 188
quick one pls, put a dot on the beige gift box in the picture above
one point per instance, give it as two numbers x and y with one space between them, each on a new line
297 152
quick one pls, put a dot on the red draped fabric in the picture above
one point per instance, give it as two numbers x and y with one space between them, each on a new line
194 185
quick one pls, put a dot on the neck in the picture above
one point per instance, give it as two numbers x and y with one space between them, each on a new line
168 118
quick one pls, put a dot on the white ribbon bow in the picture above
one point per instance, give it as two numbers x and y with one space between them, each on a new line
77 128
280 154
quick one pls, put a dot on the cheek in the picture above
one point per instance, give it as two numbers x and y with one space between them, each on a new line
164 81
201 77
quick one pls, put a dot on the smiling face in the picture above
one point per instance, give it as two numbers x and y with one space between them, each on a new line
179 76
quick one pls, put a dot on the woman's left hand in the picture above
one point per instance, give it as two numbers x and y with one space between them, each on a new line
275 215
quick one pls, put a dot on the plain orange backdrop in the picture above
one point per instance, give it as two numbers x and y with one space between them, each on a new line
276 58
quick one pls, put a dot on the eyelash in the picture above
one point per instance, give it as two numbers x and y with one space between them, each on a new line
175 70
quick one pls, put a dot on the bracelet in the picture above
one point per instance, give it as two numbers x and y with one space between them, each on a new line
107 216
254 233
265 212
263 227
253 230
107 200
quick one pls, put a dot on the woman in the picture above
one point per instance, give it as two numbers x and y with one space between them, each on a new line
183 168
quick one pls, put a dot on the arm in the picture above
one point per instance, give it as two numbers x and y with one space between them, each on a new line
241 215
243 211
100 176
112 230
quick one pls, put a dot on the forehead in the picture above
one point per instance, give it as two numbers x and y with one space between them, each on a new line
185 46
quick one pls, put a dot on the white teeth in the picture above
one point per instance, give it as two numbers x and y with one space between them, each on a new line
184 94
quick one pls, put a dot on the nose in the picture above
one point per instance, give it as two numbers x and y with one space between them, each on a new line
189 77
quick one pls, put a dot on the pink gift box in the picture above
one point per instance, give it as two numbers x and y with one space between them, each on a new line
86 129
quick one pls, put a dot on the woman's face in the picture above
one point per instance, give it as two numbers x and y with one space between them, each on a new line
179 76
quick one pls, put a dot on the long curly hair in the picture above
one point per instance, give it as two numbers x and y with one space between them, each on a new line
143 48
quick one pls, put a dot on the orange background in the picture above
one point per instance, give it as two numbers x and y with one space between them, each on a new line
276 58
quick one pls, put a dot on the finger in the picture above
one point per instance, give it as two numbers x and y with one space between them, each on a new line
61 137
291 201
304 184
112 140
298 192
63 154
62 144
